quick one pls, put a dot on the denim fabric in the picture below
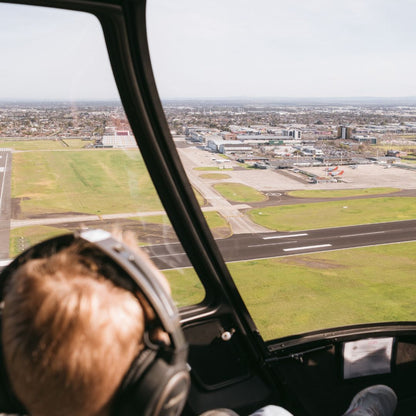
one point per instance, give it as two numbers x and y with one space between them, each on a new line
376 400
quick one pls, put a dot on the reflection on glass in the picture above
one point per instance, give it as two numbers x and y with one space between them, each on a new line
296 123
68 159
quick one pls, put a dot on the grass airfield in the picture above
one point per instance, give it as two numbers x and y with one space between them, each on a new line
285 296
296 294
334 213
84 182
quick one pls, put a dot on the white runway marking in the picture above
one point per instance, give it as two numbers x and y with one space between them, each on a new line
2 183
284 236
307 247
274 244
167 255
357 235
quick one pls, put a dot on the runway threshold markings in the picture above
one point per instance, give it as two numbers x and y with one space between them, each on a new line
273 244
284 236
307 247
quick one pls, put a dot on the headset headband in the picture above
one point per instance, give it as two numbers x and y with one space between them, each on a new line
140 273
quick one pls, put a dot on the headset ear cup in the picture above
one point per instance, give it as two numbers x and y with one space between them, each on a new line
161 391
9 403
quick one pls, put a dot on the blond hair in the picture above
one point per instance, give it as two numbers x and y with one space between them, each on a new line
69 335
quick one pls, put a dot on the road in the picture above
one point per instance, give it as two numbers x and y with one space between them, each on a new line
259 246
249 240
5 205
238 222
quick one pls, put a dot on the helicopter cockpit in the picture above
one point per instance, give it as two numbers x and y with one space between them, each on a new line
248 146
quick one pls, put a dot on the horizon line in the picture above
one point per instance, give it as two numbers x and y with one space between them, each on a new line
256 99
268 98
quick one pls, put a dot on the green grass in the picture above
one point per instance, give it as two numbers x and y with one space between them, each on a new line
296 294
43 144
186 286
96 182
25 237
238 192
334 213
245 165
199 197
214 220
214 176
78 143
223 156
341 193
399 147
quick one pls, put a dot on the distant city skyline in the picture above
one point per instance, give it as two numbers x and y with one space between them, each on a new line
270 49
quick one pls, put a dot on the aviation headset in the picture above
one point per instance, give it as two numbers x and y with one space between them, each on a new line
157 382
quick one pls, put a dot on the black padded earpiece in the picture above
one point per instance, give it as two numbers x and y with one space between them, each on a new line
9 403
154 386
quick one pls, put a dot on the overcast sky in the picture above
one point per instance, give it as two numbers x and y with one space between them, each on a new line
281 48
48 54
220 48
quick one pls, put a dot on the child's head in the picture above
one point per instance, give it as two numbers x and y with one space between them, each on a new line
69 334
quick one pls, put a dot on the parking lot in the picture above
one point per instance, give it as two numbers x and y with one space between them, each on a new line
364 176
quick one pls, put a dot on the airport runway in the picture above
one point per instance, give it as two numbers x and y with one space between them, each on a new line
257 246
5 205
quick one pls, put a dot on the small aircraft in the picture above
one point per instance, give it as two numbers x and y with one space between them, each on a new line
336 173
331 169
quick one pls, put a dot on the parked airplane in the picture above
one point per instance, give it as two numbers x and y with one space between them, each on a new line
336 173
331 169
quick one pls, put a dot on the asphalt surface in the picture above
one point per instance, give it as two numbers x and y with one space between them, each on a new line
259 246
5 202
249 240
239 223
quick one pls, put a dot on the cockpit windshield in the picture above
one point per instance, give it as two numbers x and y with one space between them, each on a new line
296 123
68 158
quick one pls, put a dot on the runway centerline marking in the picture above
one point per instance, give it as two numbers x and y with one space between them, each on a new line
359 234
2 183
285 236
167 255
307 247
274 244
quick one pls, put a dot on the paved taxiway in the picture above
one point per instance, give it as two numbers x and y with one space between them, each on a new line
257 246
5 205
